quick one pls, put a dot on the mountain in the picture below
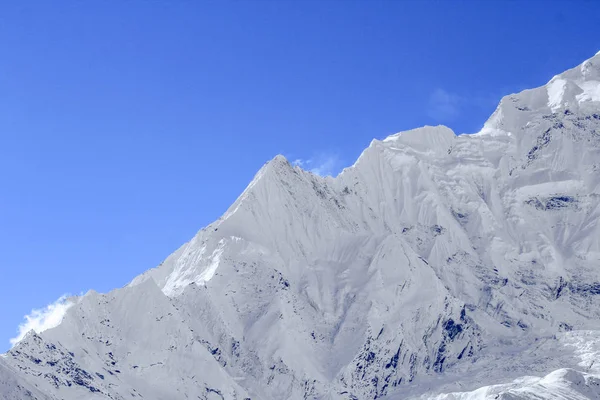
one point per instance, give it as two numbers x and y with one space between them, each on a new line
436 267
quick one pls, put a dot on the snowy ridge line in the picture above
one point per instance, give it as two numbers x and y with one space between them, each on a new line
436 267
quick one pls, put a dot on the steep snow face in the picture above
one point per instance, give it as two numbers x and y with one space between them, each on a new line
577 89
583 349
129 343
435 264
14 387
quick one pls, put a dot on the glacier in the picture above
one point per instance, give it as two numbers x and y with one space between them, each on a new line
438 266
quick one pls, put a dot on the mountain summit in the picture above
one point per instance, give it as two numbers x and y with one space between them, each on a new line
433 266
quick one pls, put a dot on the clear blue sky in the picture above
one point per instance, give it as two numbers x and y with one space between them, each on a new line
126 126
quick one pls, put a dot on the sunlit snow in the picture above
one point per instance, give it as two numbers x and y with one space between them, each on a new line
438 266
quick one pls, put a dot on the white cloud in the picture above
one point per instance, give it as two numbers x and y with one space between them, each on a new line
322 164
444 105
43 319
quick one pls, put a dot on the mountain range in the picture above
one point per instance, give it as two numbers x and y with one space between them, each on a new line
438 266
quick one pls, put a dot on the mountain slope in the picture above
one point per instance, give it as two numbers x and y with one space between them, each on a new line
435 263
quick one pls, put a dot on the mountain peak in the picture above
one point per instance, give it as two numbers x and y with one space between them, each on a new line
576 88
435 258
279 159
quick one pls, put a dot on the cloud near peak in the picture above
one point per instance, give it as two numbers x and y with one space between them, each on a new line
43 319
323 164
444 105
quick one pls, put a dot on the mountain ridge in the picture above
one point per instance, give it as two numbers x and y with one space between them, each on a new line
435 255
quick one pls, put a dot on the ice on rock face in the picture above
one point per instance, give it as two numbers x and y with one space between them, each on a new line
576 88
564 383
437 266
14 387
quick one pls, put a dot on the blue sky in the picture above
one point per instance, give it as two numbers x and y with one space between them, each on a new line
127 126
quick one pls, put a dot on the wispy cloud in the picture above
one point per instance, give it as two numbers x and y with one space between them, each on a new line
43 319
444 105
322 164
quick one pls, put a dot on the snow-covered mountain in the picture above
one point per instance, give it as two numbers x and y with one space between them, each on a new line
436 267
